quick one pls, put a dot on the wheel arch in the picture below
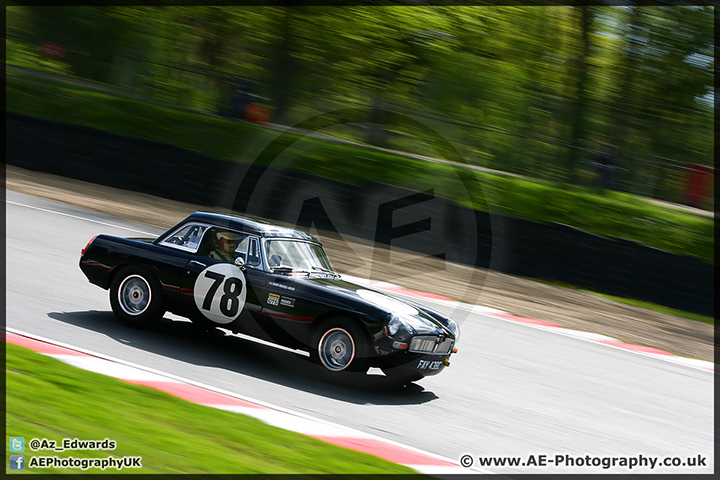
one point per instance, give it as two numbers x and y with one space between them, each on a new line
122 266
337 314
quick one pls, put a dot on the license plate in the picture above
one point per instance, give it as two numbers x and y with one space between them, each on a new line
429 364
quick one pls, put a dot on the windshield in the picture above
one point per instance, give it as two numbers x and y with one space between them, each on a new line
296 255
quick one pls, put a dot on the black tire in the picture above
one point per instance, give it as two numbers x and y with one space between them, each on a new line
339 347
136 297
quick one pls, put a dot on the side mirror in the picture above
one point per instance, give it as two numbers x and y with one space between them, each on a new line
240 263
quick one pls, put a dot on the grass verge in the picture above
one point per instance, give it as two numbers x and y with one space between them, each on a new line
610 215
48 399
633 302
656 308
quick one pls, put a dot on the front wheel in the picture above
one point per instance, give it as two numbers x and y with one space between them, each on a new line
136 297
339 345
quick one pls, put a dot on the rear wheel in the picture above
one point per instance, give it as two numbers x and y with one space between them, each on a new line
340 345
136 297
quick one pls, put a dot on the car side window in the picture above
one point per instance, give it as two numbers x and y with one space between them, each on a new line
241 249
223 244
253 253
185 238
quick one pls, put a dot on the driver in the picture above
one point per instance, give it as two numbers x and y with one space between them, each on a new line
225 245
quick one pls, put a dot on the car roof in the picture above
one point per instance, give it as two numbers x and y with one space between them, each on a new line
251 226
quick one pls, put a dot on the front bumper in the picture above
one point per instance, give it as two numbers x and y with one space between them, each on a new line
408 364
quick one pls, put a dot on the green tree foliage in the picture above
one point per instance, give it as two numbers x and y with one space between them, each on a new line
92 36
529 90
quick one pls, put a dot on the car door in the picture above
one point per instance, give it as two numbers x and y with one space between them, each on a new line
255 275
218 290
178 272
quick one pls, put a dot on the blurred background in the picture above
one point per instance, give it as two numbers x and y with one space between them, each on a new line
612 98
582 140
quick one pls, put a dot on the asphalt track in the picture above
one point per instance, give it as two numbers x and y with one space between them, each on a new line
511 391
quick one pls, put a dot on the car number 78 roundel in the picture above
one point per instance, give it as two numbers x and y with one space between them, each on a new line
220 292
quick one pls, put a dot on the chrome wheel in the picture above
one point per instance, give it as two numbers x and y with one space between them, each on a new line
336 349
134 295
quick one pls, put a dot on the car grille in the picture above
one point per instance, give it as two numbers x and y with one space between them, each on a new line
428 344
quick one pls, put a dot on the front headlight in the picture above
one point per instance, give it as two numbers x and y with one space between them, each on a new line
454 328
398 328
403 325
394 326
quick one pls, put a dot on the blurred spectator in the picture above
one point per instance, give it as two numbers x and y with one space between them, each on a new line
606 166
698 185
242 97
236 97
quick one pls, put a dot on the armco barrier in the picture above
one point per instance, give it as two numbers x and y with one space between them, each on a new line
417 221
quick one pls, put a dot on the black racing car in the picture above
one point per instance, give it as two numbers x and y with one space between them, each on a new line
272 282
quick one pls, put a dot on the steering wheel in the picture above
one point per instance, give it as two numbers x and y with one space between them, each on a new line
275 260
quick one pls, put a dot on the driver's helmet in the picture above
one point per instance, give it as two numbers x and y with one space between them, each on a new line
227 240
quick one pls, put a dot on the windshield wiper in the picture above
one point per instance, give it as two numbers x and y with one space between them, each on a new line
282 269
286 269
322 269
326 271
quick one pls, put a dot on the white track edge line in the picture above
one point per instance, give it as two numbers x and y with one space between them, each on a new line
670 357
225 392
694 363
78 217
